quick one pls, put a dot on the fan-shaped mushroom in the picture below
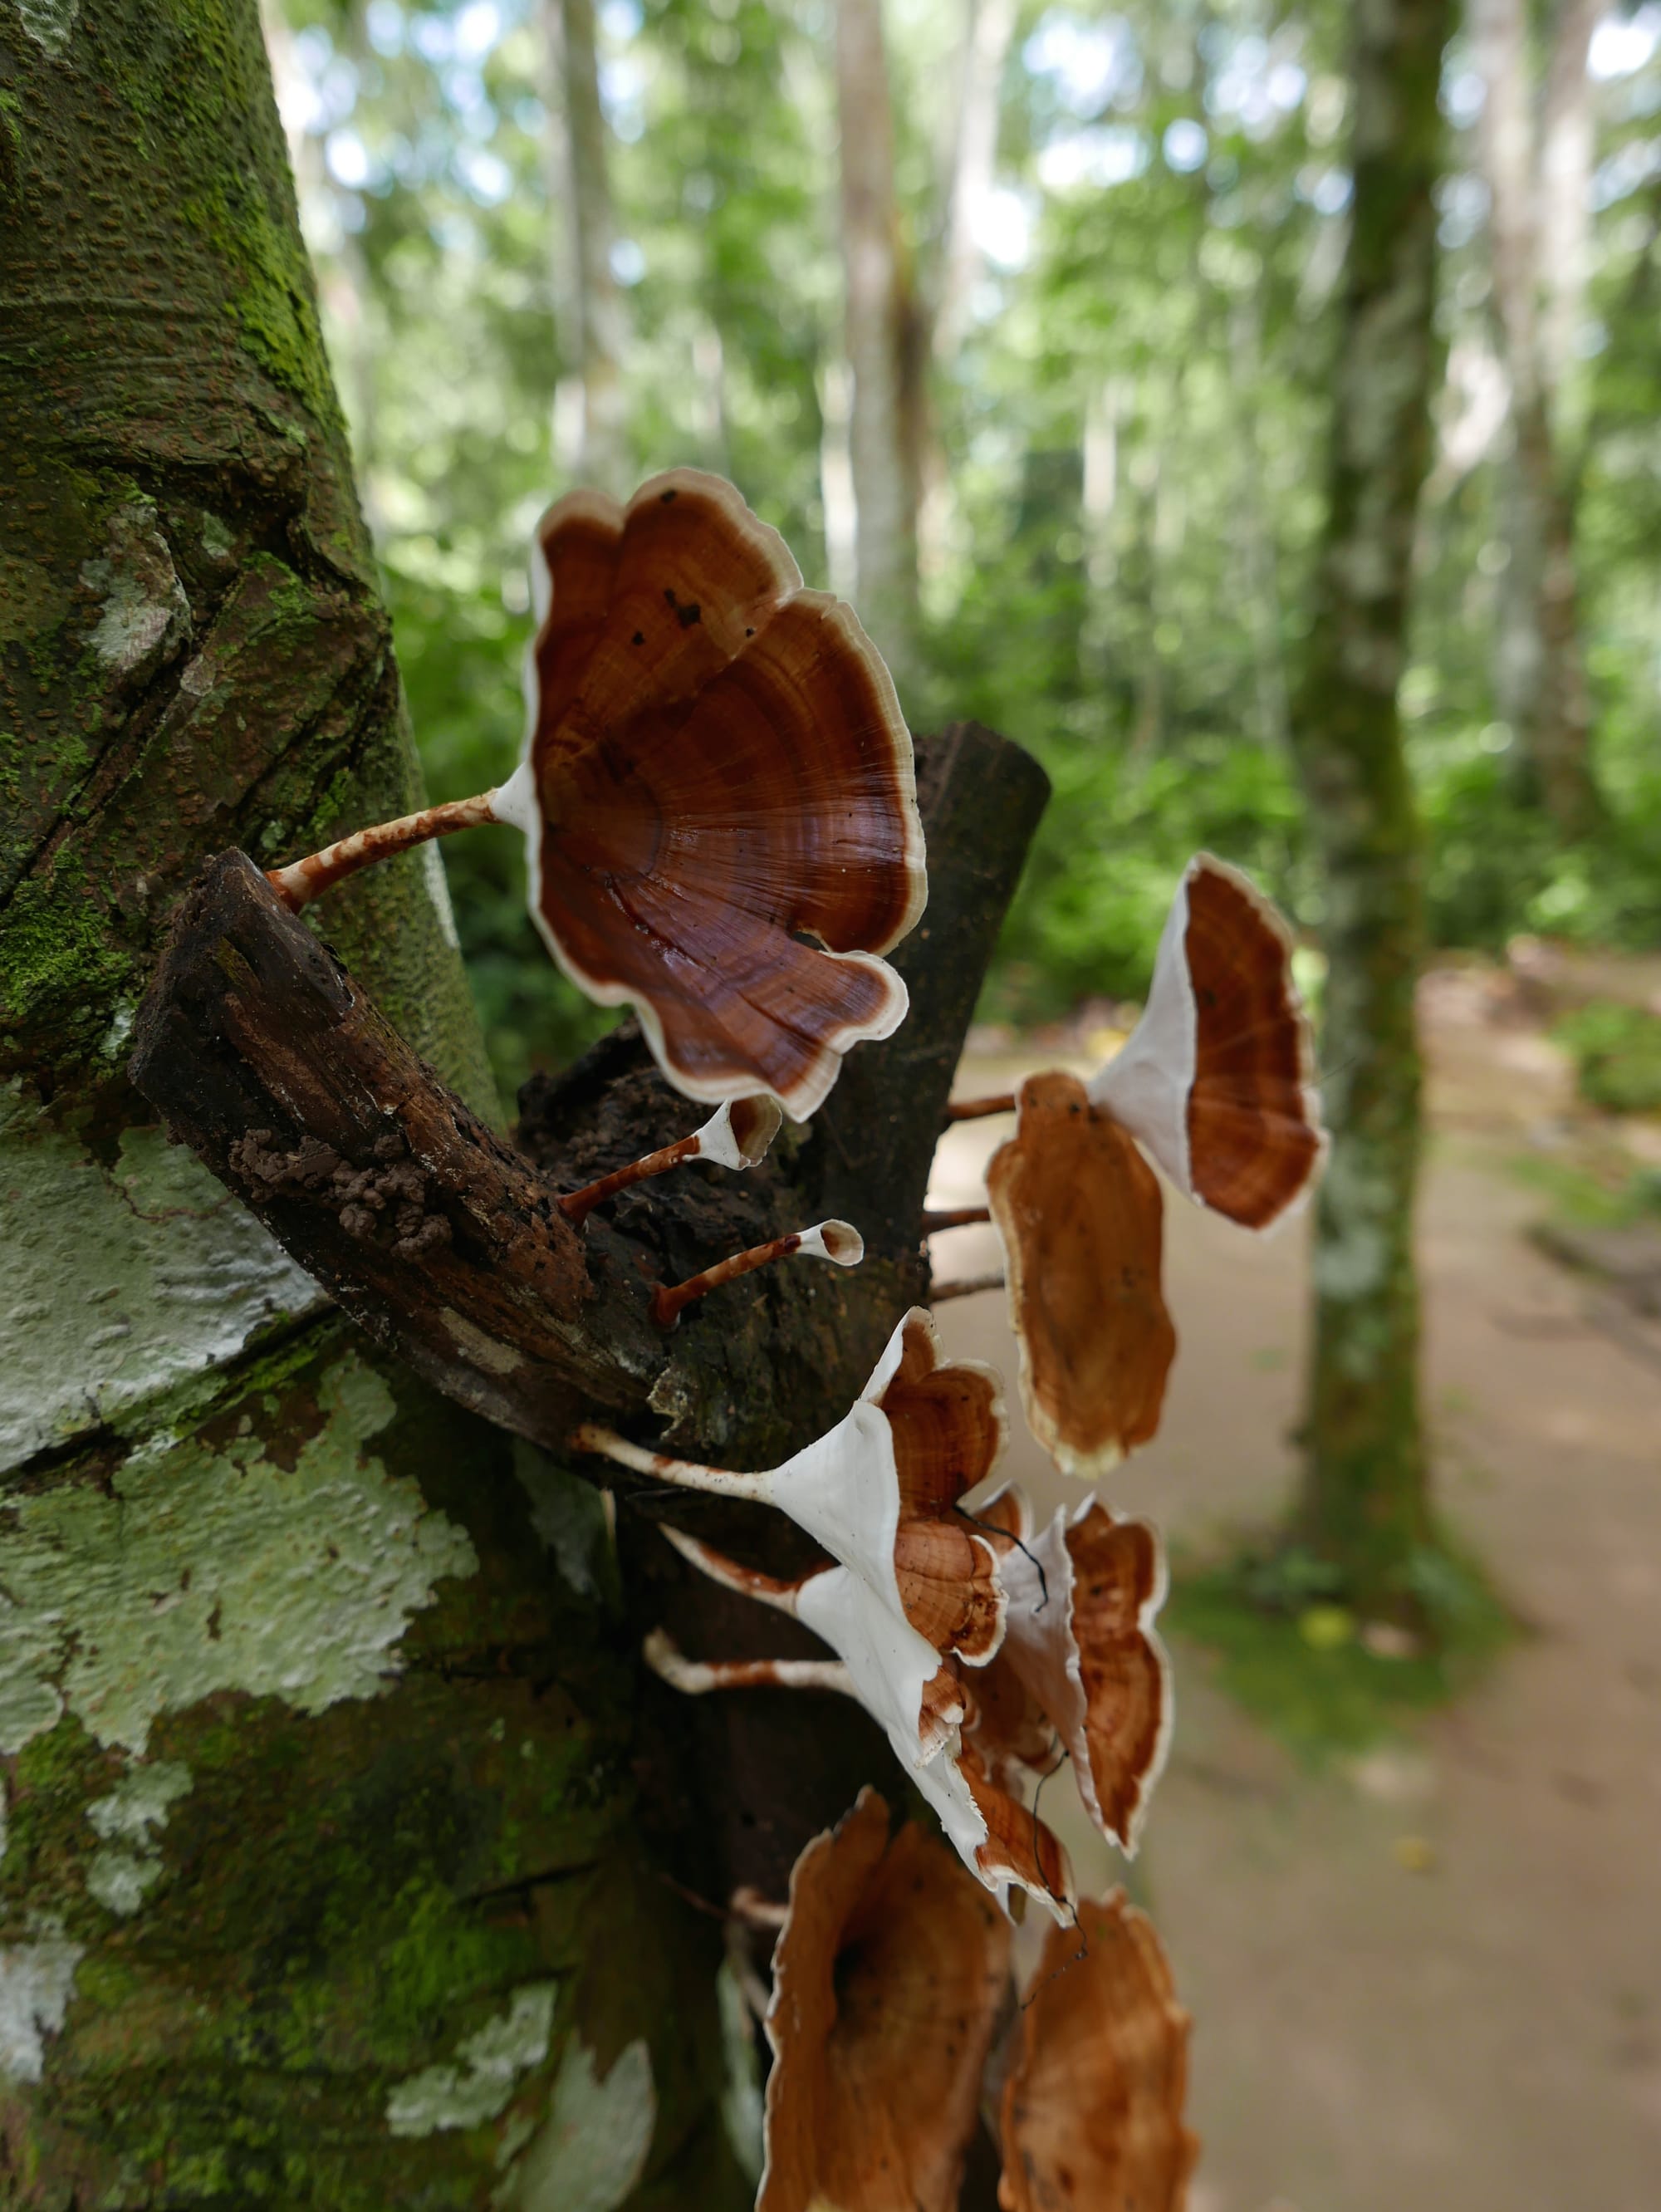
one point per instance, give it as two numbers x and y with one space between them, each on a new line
1079 1216
1092 2113
718 793
1080 1638
887 1980
915 1697
1217 1077
880 1490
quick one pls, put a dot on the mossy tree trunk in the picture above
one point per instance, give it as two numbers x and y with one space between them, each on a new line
321 1883
1364 1504
343 1850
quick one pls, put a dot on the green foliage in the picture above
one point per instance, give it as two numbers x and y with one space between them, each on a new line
1294 1654
1618 1055
1117 566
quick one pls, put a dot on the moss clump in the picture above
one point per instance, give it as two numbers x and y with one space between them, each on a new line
1310 1669
1617 1050
56 958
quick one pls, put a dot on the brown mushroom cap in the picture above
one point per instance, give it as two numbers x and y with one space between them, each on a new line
948 1424
1080 1641
719 767
886 1983
1082 1220
1092 2117
1254 1136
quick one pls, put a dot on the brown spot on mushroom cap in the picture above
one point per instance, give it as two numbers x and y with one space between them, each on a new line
1254 1138
1082 1220
886 1983
1092 2113
740 779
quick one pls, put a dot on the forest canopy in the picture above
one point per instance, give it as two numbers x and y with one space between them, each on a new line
1125 314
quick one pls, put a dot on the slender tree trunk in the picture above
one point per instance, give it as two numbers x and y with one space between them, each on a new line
1539 181
321 1884
595 301
1365 1503
882 333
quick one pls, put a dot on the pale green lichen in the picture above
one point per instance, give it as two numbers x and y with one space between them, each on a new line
37 1979
568 1515
120 1874
204 1571
479 2081
48 22
591 2151
742 2100
143 610
119 1280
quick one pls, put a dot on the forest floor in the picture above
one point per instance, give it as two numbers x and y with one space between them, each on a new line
1426 1973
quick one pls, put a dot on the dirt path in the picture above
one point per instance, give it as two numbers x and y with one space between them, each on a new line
1428 1981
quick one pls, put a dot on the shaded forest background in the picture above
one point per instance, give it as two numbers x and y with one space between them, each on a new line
1114 240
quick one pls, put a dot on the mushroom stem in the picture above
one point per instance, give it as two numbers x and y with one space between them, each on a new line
697 1676
738 1136
956 1217
577 1205
747 1582
965 1289
590 1437
302 881
976 1110
836 1241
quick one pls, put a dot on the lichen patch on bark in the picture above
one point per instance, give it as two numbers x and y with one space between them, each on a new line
37 1979
477 2085
119 1280
204 1571
591 2149
130 1863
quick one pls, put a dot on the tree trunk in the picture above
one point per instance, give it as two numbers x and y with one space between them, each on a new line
601 452
345 1860
883 331
1365 1503
1539 184
988 31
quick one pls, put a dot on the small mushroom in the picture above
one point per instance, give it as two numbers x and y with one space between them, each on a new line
839 1242
1079 1639
1091 2109
718 793
1080 1215
880 1491
1217 1077
738 1136
887 1980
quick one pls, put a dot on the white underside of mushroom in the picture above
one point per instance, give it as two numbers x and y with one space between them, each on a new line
1146 1085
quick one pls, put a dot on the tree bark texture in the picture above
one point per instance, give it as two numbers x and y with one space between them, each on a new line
341 1841
883 336
1365 1503
1537 151
596 301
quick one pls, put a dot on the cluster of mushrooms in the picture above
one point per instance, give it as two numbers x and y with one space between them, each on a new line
702 846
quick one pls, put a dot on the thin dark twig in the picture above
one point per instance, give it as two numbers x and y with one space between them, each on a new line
992 1529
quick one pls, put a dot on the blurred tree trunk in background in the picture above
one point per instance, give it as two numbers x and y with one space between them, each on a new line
883 336
967 163
592 300
1537 151
321 1883
1365 1503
